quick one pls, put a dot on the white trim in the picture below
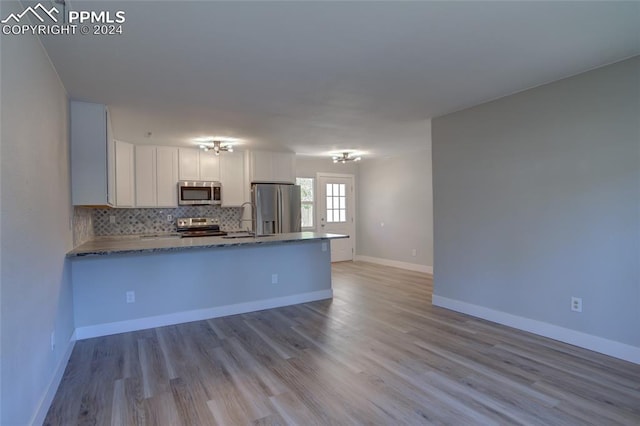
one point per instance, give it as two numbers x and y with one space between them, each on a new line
198 314
46 401
566 335
322 203
396 264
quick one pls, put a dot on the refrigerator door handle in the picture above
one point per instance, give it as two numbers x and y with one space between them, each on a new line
278 229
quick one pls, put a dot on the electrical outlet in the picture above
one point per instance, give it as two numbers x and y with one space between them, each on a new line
53 340
274 278
576 304
112 219
131 297
324 246
414 252
169 218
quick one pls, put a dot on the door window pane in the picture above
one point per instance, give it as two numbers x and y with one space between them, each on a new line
307 200
336 203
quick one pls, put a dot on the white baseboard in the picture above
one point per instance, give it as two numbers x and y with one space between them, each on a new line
396 264
198 314
566 335
43 408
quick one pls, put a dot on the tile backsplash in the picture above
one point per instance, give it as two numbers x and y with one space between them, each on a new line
146 221
82 225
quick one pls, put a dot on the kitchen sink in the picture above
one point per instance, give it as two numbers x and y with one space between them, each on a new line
242 235
159 237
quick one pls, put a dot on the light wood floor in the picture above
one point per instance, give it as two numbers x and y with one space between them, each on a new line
378 353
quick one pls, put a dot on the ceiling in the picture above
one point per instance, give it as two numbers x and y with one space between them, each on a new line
318 77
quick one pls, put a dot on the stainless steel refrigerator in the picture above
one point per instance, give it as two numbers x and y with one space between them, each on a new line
276 208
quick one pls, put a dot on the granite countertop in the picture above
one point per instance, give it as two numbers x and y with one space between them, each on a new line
172 242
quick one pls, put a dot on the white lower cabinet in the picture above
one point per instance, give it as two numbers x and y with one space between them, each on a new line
232 179
156 175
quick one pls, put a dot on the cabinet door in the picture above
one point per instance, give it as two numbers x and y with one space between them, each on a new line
111 163
88 134
232 179
261 166
145 172
210 166
124 174
189 165
167 176
283 167
273 167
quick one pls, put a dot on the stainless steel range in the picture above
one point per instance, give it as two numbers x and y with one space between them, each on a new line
198 227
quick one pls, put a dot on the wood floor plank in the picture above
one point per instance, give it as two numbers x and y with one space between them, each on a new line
377 353
188 398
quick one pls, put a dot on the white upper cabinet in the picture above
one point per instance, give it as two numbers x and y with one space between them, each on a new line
272 167
101 168
198 165
189 164
146 181
167 176
209 166
89 155
232 179
283 167
125 190
260 166
156 176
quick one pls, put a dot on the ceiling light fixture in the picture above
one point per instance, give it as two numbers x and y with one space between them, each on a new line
345 157
217 147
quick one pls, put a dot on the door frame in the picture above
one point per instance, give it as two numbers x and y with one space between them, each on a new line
352 233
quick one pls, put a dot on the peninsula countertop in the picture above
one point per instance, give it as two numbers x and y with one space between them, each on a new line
101 246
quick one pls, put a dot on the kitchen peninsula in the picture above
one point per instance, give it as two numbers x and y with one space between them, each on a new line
133 283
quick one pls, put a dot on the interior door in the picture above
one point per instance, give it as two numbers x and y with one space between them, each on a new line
336 213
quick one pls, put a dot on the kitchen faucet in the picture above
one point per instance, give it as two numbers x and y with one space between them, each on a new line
253 211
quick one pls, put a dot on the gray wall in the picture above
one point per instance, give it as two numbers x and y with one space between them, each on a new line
208 278
397 192
536 199
34 225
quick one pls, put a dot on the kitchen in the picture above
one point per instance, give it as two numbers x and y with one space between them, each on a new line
237 218
40 77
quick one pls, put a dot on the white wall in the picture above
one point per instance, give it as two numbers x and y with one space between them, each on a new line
537 199
35 226
397 192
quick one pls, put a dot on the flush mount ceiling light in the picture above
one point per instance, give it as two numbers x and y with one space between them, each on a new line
345 157
217 147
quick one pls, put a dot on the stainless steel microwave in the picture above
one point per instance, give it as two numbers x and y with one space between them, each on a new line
199 193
